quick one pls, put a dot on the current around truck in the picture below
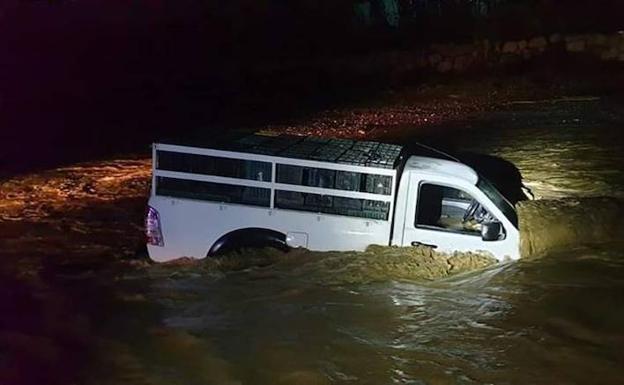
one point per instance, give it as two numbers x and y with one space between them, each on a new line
320 194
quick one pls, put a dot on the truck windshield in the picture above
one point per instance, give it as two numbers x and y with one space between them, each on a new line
503 204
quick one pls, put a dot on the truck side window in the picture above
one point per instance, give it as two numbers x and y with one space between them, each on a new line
329 204
332 179
214 192
349 181
214 165
445 208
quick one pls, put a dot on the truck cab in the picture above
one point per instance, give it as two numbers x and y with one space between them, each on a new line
448 206
320 194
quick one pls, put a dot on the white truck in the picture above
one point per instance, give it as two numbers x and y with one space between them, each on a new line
320 194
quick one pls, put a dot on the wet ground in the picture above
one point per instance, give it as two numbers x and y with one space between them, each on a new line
80 304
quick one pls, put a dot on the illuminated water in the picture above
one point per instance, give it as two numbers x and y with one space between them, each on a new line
303 320
562 148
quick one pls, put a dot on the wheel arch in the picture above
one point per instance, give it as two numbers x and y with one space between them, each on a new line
252 237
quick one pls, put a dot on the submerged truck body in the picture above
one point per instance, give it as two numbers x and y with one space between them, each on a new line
320 194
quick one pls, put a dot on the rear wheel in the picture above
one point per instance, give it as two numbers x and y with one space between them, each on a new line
253 238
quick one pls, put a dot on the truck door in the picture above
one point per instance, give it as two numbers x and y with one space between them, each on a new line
449 217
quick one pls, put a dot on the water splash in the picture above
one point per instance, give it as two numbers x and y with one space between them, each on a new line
557 224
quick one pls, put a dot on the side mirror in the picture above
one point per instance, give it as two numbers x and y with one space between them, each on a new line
491 231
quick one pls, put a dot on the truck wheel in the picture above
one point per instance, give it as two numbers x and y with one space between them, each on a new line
248 238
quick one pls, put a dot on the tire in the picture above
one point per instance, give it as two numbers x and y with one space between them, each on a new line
248 238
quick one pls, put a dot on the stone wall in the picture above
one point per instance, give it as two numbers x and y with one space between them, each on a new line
485 53
460 58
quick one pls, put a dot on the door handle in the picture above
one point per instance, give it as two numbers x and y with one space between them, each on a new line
416 243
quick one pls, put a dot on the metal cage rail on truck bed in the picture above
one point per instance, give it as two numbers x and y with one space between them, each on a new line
329 176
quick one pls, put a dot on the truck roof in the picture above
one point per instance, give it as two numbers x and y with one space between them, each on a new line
436 166
346 151
343 151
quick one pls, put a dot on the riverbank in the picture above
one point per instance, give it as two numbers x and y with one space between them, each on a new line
367 109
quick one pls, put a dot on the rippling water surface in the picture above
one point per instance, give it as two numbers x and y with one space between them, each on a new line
555 320
562 148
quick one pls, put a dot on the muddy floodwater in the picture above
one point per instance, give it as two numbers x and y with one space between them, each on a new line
79 303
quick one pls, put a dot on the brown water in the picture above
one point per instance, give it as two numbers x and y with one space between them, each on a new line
552 321
562 148
69 316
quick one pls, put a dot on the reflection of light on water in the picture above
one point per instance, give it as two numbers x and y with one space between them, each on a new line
556 156
553 174
545 190
462 302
